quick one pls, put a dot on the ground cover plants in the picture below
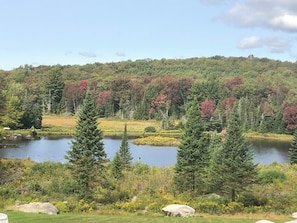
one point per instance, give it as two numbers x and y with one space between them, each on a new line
18 217
26 181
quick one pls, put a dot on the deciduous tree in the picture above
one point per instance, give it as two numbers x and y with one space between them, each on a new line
14 112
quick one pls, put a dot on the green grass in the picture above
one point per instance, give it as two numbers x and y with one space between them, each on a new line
19 217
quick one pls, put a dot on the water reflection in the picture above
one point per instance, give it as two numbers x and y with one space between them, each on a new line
269 151
46 149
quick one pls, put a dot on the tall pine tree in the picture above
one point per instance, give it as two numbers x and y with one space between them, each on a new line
123 157
117 166
234 165
124 151
87 156
192 155
214 178
293 149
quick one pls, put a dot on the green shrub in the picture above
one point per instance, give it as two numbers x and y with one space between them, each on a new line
271 176
249 199
62 207
234 207
283 204
140 168
131 207
210 207
150 129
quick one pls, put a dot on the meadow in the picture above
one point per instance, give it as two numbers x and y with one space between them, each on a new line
19 217
275 191
110 127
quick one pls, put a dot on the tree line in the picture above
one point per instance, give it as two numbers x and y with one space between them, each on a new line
207 163
157 89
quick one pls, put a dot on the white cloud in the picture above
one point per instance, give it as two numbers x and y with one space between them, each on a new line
278 45
250 42
286 22
273 14
274 44
87 53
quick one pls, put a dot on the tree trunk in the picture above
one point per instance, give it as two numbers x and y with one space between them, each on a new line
232 194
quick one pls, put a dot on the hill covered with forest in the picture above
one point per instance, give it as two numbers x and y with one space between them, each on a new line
264 89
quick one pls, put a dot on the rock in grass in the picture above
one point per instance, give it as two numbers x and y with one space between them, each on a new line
37 207
294 215
293 221
178 210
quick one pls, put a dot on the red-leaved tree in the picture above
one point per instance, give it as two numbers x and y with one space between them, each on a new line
290 116
207 109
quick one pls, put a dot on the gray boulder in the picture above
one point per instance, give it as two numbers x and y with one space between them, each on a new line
178 210
37 207
293 221
3 218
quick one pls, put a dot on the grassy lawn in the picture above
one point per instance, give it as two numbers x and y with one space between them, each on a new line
19 217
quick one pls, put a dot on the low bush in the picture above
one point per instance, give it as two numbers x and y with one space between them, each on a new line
150 129
271 176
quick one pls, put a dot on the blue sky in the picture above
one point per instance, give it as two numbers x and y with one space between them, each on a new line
50 32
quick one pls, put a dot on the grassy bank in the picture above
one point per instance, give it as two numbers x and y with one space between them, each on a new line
65 125
270 136
114 127
110 127
19 217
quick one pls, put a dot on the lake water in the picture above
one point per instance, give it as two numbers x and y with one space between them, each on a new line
46 149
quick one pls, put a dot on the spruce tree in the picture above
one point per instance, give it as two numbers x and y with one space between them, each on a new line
117 166
192 154
214 178
87 155
234 163
124 152
293 150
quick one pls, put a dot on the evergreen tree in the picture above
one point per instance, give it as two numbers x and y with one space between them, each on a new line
214 178
117 166
234 162
192 155
32 116
124 152
54 89
293 149
87 156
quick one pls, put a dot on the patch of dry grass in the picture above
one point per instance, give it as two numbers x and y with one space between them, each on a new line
110 127
157 141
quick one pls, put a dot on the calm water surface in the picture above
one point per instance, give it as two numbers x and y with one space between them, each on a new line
46 149
54 150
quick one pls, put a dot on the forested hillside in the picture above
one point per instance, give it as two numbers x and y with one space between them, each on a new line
264 89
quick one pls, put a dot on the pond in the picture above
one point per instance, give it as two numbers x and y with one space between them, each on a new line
46 149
